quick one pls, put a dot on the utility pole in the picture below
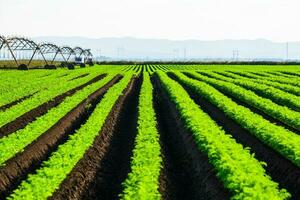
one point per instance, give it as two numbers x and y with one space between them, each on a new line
98 54
118 53
184 54
287 51
235 55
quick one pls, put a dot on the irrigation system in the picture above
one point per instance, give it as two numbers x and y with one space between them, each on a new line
23 51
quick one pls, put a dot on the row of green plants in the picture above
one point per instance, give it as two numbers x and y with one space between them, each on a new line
279 73
248 76
281 140
294 73
143 180
14 87
282 113
279 79
48 178
276 95
17 141
58 87
268 74
235 166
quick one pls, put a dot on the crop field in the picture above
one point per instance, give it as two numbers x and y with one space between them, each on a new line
145 132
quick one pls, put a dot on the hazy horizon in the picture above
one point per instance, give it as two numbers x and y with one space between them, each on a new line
206 20
155 49
149 38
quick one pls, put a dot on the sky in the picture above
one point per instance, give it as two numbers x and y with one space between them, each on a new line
276 20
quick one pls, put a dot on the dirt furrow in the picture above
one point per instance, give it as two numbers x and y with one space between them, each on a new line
40 110
16 169
186 173
255 110
279 168
106 164
11 104
77 77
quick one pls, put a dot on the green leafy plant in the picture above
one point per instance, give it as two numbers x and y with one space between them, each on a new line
142 181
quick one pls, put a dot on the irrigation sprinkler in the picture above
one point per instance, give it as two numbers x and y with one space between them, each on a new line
20 48
79 56
67 52
18 44
48 48
88 57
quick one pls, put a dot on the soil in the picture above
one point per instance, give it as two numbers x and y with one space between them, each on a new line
186 173
100 173
78 77
40 110
11 104
257 111
17 168
279 168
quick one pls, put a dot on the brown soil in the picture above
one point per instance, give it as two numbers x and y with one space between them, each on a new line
40 110
6 106
255 110
99 174
279 168
77 77
262 94
187 173
44 75
62 75
17 168
291 73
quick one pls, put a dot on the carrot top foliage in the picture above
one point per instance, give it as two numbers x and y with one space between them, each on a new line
142 181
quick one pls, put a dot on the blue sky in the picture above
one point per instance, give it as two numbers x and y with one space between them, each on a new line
275 20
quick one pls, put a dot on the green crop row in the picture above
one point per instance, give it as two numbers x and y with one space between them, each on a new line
14 81
40 98
47 179
15 85
279 74
276 95
21 88
239 171
246 75
281 140
142 181
282 113
268 76
17 141
293 73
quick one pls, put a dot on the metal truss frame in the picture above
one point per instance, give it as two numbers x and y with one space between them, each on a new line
48 48
14 44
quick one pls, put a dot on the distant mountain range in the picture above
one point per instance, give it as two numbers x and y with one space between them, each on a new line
128 48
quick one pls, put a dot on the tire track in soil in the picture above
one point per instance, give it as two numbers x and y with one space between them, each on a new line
279 168
26 162
99 174
40 110
186 172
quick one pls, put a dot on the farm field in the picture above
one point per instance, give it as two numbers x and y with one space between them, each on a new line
150 132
